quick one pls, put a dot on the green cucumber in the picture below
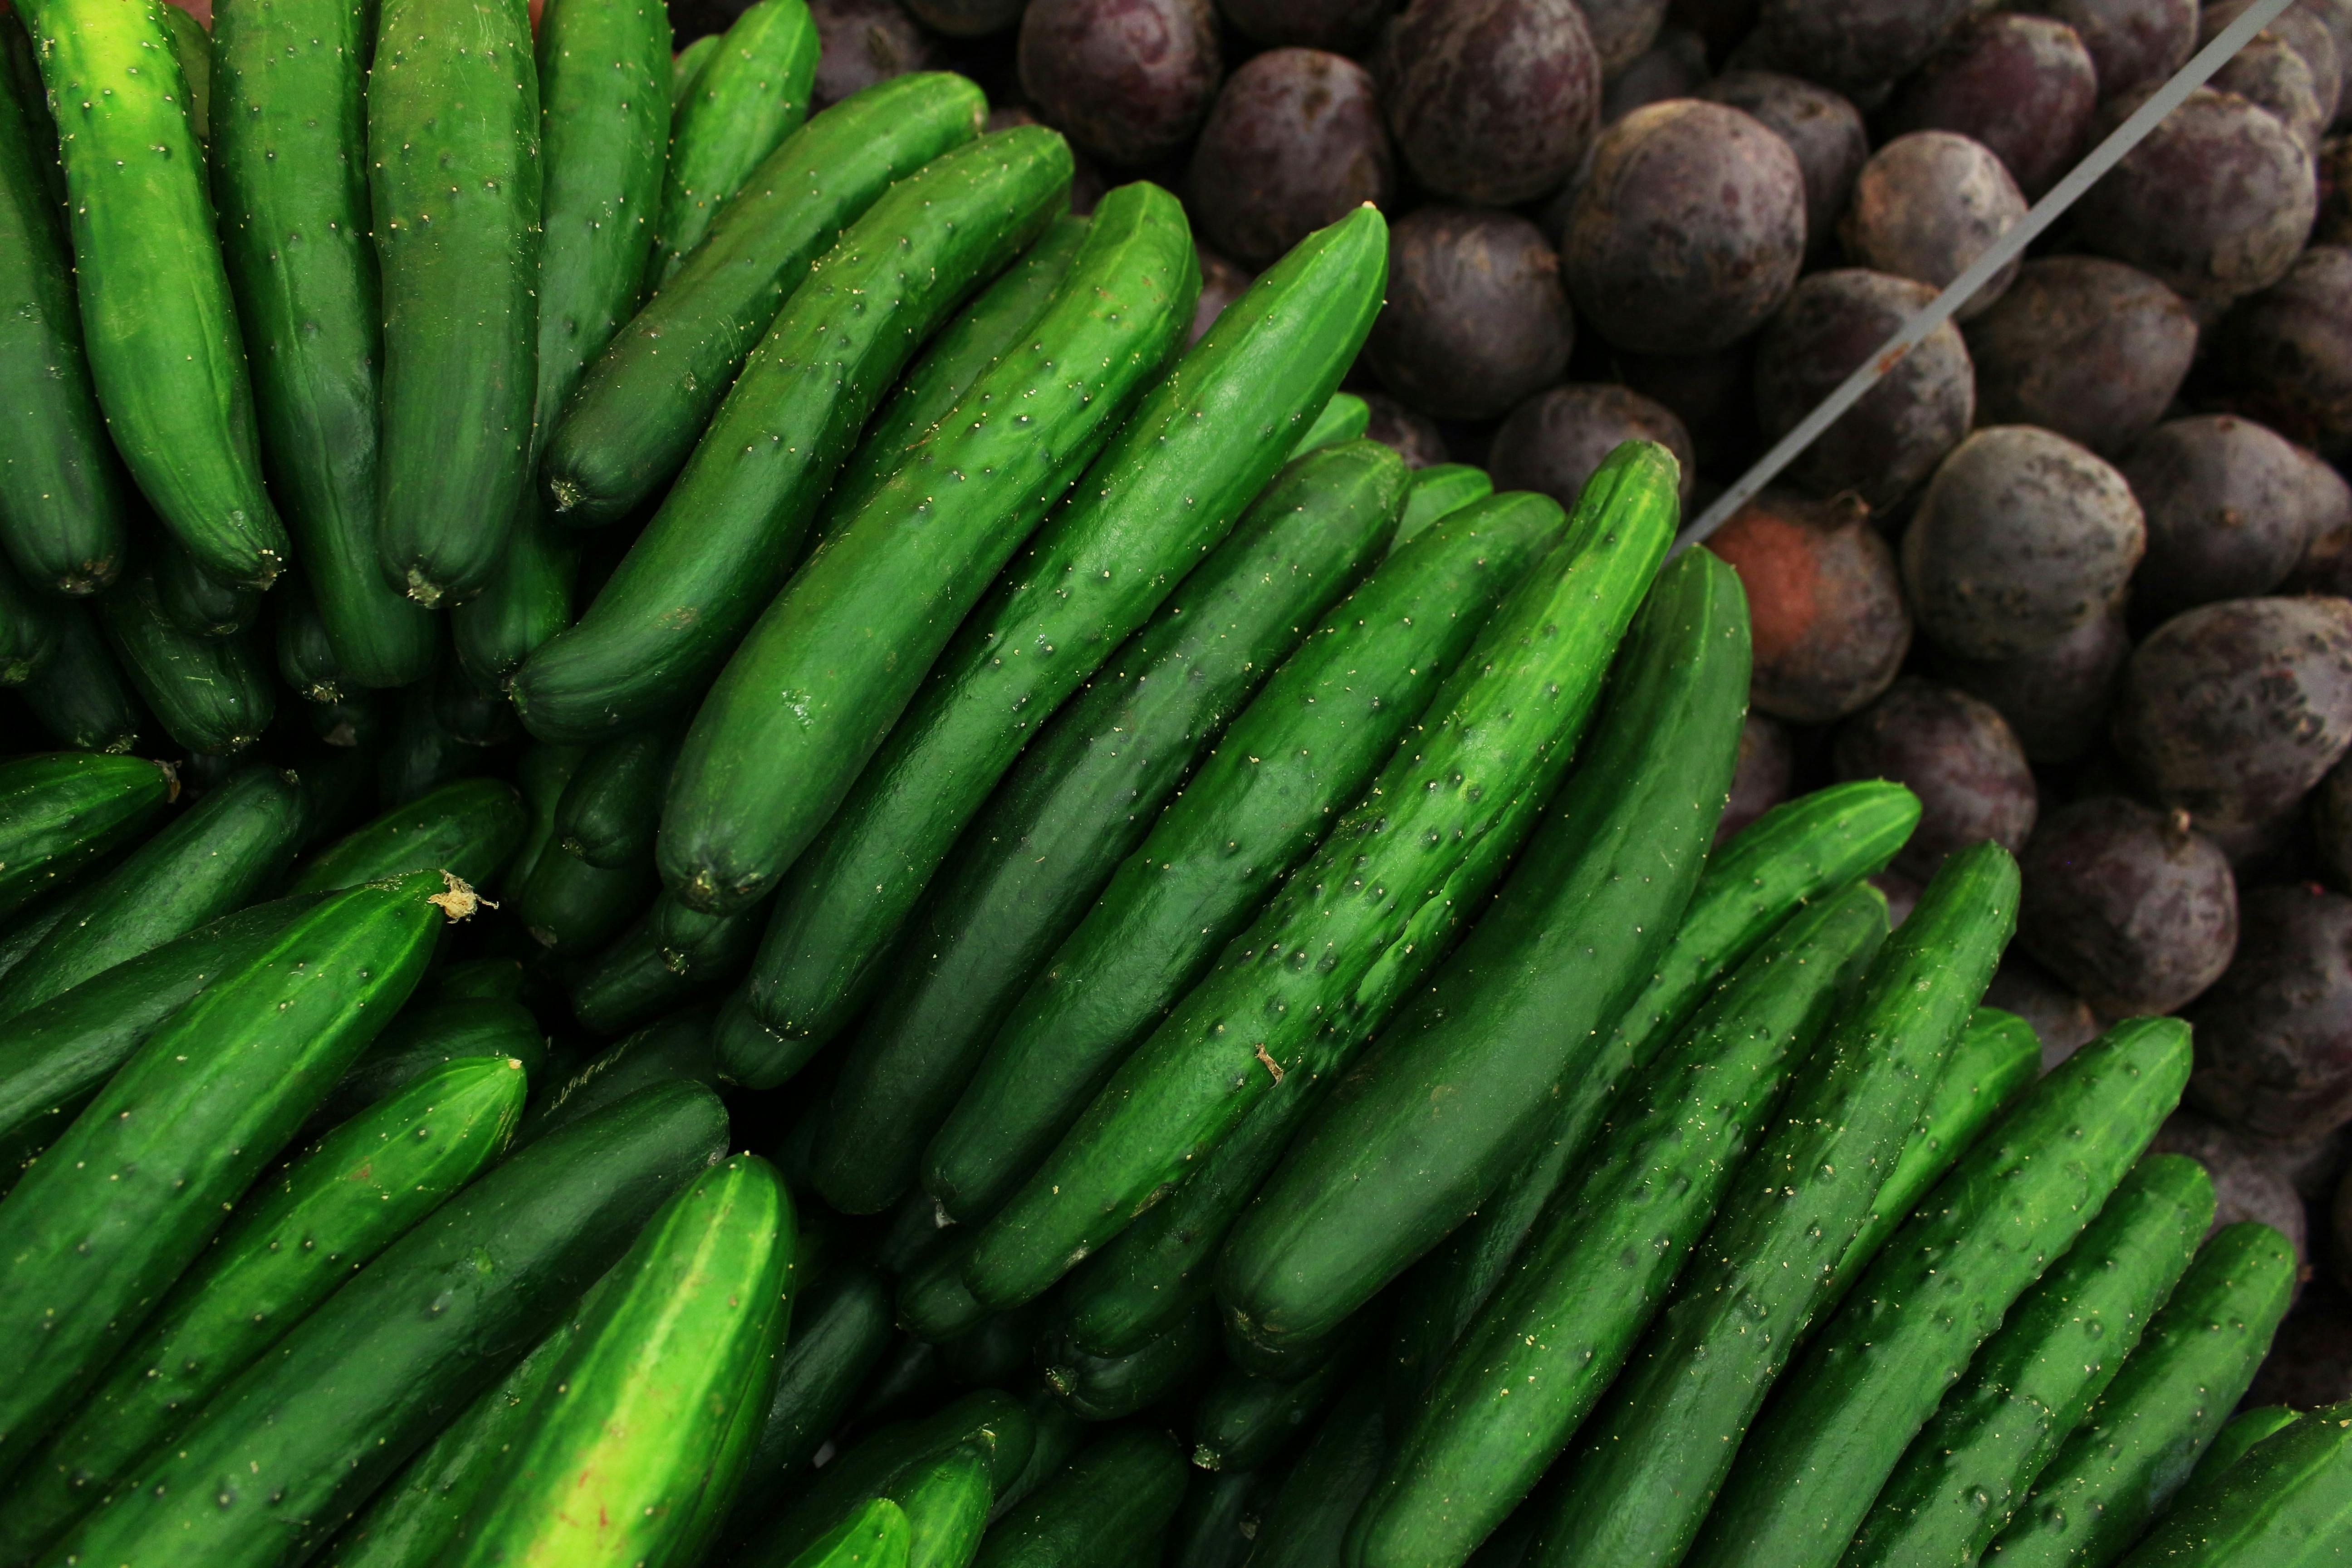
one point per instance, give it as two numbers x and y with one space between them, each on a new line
1172 482
80 695
306 654
1109 1388
1345 417
677 1049
2144 1438
999 1352
1355 928
1964 1477
571 908
526 601
212 695
194 46
542 776
946 1504
1439 491
1243 1421
876 1536
420 755
428 1037
290 173
841 1325
730 529
752 93
686 67
1081 798
125 1199
1605 1253
158 325
282 1251
1463 1083
1058 1435
1118 1491
469 828
613 804
27 932
454 179
1306 1526
2230 1443
384 1363
1648 1462
642 975
31 626
2287 1505
59 811
193 600
642 405
1219 1521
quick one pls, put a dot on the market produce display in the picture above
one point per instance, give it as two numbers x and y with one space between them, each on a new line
904 784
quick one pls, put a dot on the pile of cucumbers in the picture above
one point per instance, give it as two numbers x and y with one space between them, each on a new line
739 862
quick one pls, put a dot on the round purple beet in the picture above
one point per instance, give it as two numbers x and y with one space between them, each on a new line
1491 100
2134 44
2247 1182
1621 29
1853 45
2334 224
1415 437
1760 779
2269 73
2021 86
1929 203
1129 81
1345 26
1956 754
1475 318
2306 28
1294 142
2056 697
2089 348
2060 1020
1222 283
2324 502
1827 627
1555 440
2130 906
2286 354
1821 128
861 42
2224 499
2274 1034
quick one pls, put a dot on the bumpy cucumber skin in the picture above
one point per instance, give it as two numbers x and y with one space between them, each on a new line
685 68
1357 926
1649 1461
2287 1504
1439 491
426 1037
2144 1438
1602 1258
1169 485
290 173
841 1325
468 828
281 1253
730 529
157 322
127 1198
454 177
2230 1443
194 46
61 810
752 93
1082 797
1301 752
613 804
644 402
1109 1388
813 689
1345 417
212 695
876 1536
1965 1475
946 1505
80 695
1121 1489
1308 1522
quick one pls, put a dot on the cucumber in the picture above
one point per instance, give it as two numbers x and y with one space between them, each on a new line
1118 1490
31 625
429 1035
419 755
1306 1525
1110 1388
59 811
841 1325
685 68
395 1354
454 179
752 93
2143 1439
643 403
80 695
1325 968
1606 1251
1168 486
16 57
212 695
2025 1392
158 326
999 1352
212 859
1439 491
1460 1087
1244 1421
876 1536
574 908
2287 1505
730 529
1058 1435
1648 1462
2230 1443
306 654
194 600
542 776
474 980
27 932
1218 1523
282 1251
290 173
946 1504
677 1049
120 1204
613 804
469 828
1345 417
1080 799
194 47
527 600
641 977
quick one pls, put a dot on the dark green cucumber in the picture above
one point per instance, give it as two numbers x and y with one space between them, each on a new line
1243 1421
1058 1435
80 695
127 1197
675 1050
642 975
59 811
1081 798
469 828
2287 1505
1648 1462
2144 1438
841 1324
732 527
613 804
194 46
1110 1388
1965 1475
1355 928
290 172
306 654
430 1034
27 932
212 859
1345 417
527 600
1439 491
946 1504
685 68
195 600
752 93
542 776
158 325
1306 1526
395 1354
475 979
1601 1259
642 405
282 1252
1218 1524
31 625
212 695
1461 1085
420 756
1168 486
454 177
999 1352
1119 1490
2230 1443
571 908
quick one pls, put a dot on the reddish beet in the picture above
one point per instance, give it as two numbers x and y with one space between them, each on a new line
1824 130
2091 349
1294 142
2247 1182
1491 100
1761 777
2022 86
1344 25
1621 29
2225 501
2134 909
1129 81
1956 754
2060 1020
1673 66
1222 283
1825 607
1688 229
2134 44
1475 318
2056 697
1857 44
2274 1034
1927 204
1555 440
2269 73
1415 437
861 42
2286 354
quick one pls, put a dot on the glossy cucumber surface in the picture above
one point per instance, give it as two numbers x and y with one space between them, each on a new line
752 93
841 1326
214 695
2288 1504
1120 1489
468 828
946 1505
1110 1388
1437 491
80 696
61 810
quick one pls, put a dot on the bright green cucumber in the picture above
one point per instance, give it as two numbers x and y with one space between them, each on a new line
1345 417
430 1034
1965 1475
195 600
613 804
946 1504
157 321
1649 1461
1306 1525
2287 1505
127 1197
306 654
1461 1085
212 695
2230 1443
290 173
1081 798
677 1049
80 695
305 1435
282 1251
752 93
1168 486
61 810
194 46
730 529
454 177
1436 491
841 1324
1604 1256
1355 928
1109 1388
1243 1421
2144 1438
876 1536
643 403
1121 1489
468 828
686 67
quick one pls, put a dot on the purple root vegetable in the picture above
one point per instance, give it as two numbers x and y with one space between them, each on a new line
1762 777
2274 1034
2331 823
1475 318
2308 28
2326 506
1854 44
861 42
2247 1182
1621 29
1827 623
2134 44
1956 754
2057 696
2132 907
2089 348
1345 26
2269 74
2228 506
1927 204
1294 142
2286 354
2022 86
1555 440
1128 81
967 18
2060 1020
1491 100
1415 438
1221 282
1823 128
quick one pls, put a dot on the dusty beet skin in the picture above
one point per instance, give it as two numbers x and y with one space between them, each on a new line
1621 29
2274 1034
1825 609
2302 28
1903 427
1956 754
2056 697
2270 73
1475 318
1929 203
2247 1182
2226 500
1345 26
1762 777
1688 231
1823 128
1294 142
2325 503
1129 81
2130 906
2022 86
2134 44
2060 1020
1491 100
1221 282
2091 349
1853 45
861 42
2286 354
1555 440
2022 537
1415 437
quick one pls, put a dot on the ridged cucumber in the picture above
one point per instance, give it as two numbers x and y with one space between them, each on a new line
2287 1505
1243 1421
946 1504
1120 1490
61 810
1345 417
469 828
1439 491
1110 1388
613 804
876 1536
1306 1525
2230 1443
752 93
428 1037
80 695
212 695
841 1324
